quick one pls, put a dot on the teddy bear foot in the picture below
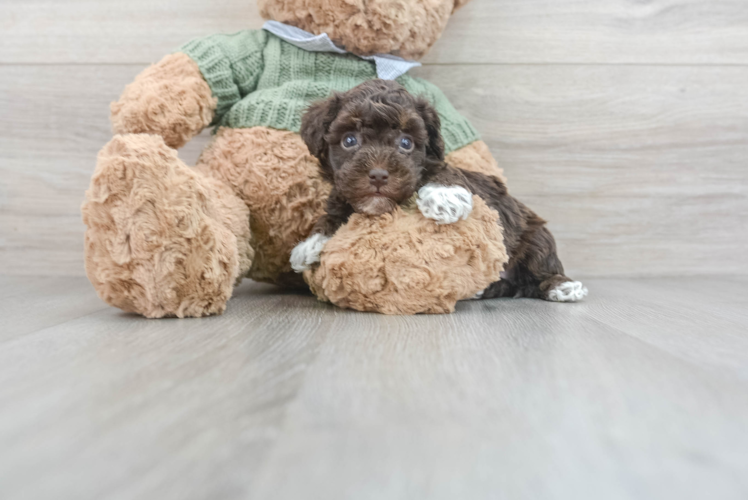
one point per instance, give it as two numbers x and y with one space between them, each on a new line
162 240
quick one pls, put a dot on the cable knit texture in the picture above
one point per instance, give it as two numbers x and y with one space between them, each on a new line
261 80
170 99
279 181
404 263
162 240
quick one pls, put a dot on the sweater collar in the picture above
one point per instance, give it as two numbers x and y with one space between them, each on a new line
388 66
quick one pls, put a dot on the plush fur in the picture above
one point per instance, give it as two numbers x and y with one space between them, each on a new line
170 99
476 157
404 263
407 28
278 179
162 240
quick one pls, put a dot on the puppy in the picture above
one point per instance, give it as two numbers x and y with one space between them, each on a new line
378 145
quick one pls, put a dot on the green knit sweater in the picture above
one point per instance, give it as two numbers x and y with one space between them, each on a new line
261 80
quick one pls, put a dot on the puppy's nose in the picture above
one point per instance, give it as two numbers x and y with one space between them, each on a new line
378 177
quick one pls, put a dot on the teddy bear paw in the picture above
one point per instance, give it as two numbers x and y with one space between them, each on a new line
307 252
444 204
569 291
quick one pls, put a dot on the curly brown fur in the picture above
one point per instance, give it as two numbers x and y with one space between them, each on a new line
170 99
407 28
403 263
162 240
358 134
377 117
274 174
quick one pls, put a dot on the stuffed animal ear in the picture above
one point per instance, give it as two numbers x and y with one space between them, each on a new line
435 146
315 124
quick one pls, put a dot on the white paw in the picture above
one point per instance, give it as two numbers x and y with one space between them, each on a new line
569 291
445 204
478 295
307 252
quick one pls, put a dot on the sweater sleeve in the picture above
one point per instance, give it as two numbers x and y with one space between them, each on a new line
231 64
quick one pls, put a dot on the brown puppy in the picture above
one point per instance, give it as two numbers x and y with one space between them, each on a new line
378 145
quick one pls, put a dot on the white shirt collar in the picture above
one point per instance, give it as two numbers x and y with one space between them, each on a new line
389 67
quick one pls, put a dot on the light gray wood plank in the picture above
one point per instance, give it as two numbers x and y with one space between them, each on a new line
484 31
640 170
285 397
111 405
520 398
37 303
109 31
589 31
12 286
696 320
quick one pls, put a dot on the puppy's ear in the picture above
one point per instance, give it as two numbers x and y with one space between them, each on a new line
435 145
315 124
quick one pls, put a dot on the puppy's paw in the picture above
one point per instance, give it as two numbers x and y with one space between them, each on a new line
307 252
444 204
569 291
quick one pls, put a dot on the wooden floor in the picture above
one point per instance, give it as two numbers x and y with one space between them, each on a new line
639 393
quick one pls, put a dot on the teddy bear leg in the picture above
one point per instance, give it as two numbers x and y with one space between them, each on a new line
162 239
279 180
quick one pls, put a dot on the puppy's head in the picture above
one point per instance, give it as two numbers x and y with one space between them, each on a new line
374 143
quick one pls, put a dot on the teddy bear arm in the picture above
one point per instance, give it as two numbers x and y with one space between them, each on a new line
170 99
476 157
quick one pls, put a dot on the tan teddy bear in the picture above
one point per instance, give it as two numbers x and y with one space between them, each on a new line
165 239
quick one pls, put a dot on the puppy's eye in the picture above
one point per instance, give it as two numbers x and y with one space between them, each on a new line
349 141
406 143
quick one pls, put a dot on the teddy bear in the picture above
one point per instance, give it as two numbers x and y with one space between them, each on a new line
164 239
